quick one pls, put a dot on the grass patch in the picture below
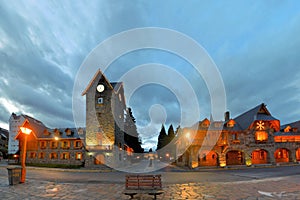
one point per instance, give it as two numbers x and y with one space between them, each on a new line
47 165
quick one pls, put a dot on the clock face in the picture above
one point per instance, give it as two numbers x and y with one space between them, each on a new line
100 88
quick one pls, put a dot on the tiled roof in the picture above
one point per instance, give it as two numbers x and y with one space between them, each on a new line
39 130
295 124
280 133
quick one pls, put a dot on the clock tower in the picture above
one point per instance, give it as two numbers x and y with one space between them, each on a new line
105 109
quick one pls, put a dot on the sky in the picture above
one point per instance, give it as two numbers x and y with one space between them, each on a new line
254 45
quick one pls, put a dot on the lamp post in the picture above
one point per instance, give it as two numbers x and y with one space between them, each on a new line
26 132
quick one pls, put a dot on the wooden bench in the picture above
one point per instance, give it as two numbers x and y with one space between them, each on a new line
143 184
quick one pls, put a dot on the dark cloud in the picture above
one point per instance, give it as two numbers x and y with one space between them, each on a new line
255 46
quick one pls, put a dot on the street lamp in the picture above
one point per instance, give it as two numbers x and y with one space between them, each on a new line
26 132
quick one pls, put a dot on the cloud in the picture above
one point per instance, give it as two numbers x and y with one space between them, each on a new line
255 46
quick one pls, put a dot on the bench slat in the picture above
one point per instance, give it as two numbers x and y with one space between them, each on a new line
147 184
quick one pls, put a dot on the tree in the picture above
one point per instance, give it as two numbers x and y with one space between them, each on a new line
171 133
162 138
131 136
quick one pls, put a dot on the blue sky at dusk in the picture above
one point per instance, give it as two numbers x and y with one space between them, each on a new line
255 46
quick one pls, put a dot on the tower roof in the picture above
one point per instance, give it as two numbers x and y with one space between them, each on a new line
112 85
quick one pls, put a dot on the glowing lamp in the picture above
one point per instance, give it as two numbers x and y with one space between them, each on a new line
222 164
187 135
25 130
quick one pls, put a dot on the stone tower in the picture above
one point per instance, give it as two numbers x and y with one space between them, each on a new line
105 110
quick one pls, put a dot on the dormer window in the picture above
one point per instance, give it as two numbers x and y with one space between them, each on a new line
68 132
46 132
287 129
295 130
205 123
56 132
230 124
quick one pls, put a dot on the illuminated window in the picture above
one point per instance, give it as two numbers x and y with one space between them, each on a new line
42 155
261 136
287 129
65 156
65 144
78 156
32 155
77 144
43 144
53 144
230 123
53 155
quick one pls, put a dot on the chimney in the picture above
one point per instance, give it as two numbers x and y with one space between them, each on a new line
227 116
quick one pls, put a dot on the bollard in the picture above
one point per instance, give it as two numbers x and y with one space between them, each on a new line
14 175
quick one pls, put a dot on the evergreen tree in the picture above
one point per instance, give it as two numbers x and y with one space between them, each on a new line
162 138
171 134
131 135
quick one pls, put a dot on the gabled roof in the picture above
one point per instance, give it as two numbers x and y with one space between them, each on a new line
38 130
112 85
259 112
97 75
295 124
235 127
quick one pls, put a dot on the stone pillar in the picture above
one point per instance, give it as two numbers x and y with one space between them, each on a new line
271 157
293 155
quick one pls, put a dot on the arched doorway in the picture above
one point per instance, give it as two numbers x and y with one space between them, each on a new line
282 155
235 157
99 160
209 158
298 154
259 156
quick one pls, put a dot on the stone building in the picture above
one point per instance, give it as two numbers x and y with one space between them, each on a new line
3 143
101 142
105 122
15 121
254 137
64 146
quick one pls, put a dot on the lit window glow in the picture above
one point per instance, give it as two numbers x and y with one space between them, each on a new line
25 130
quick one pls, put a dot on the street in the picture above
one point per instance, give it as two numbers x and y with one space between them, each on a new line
207 183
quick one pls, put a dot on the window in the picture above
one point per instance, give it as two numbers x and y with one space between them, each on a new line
204 157
32 155
42 155
53 144
53 155
65 144
65 156
261 136
77 144
78 156
43 144
234 136
100 100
